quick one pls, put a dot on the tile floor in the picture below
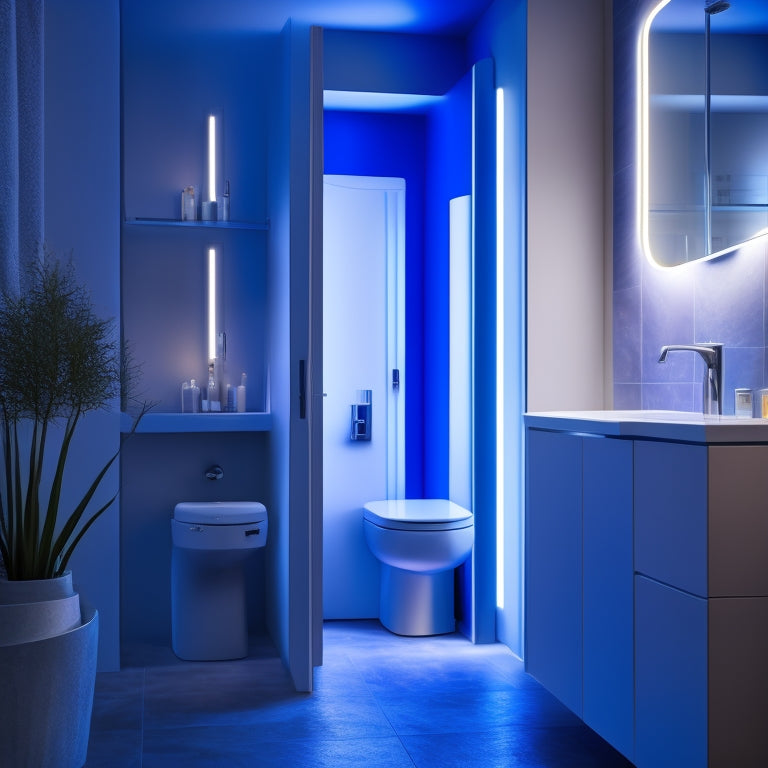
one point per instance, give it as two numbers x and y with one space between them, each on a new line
380 701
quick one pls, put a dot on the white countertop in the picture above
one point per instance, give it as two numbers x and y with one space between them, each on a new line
656 425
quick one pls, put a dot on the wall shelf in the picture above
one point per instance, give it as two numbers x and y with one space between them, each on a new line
262 226
160 423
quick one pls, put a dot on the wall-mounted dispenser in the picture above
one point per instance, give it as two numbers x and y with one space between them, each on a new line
361 416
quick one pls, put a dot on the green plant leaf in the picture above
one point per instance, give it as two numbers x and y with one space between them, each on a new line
58 361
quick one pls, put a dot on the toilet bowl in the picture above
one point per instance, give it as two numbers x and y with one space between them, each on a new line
211 541
418 542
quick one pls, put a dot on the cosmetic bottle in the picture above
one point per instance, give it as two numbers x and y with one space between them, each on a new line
241 395
208 210
224 203
190 397
231 401
188 206
743 403
214 404
761 406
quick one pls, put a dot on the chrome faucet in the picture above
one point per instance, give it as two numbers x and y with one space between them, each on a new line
712 400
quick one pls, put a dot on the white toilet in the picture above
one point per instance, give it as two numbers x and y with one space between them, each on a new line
418 542
211 541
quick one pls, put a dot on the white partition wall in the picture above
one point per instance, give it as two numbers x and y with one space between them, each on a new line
460 364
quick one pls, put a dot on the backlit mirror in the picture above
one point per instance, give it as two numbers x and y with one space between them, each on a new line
703 129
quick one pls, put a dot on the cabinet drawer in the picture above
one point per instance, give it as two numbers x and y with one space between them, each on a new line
738 520
671 514
671 677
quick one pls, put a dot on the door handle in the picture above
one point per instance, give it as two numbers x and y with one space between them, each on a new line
302 389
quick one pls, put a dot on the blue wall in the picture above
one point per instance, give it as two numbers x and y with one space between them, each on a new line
164 149
449 174
167 94
378 144
502 34
377 62
432 152
82 219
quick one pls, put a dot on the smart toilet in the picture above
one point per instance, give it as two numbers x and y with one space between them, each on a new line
211 541
418 542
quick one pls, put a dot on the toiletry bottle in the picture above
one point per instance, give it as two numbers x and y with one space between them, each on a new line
224 203
195 396
188 206
213 391
190 397
231 399
761 405
743 404
241 395
208 210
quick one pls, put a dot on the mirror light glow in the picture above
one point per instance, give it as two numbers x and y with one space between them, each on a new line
499 348
643 127
643 145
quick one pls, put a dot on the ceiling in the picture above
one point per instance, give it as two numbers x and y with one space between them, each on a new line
438 17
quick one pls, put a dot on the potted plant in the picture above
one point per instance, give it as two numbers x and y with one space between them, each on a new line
58 362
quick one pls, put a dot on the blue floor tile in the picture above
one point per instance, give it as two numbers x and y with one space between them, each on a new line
380 701
429 712
232 747
515 748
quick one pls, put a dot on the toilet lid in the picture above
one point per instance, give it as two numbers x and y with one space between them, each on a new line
220 512
409 513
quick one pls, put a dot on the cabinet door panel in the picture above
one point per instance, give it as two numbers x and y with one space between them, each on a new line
553 564
671 514
609 591
738 520
671 675
738 682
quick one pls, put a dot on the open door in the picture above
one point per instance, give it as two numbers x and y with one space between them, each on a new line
294 559
306 473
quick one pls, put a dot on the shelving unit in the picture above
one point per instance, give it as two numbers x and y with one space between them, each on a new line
148 230
159 423
253 225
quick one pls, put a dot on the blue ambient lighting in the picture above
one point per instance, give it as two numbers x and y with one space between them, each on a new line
500 348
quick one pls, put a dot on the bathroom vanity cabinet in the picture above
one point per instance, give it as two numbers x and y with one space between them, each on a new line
647 580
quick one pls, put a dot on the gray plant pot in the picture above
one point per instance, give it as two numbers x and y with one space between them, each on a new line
47 697
37 608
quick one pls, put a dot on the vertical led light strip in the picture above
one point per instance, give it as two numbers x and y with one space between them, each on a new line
211 304
500 348
211 157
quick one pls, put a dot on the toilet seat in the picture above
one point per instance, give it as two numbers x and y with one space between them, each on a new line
417 514
220 512
220 525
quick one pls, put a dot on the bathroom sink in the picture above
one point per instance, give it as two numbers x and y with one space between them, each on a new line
655 424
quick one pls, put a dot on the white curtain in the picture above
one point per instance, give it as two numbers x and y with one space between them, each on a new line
21 139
